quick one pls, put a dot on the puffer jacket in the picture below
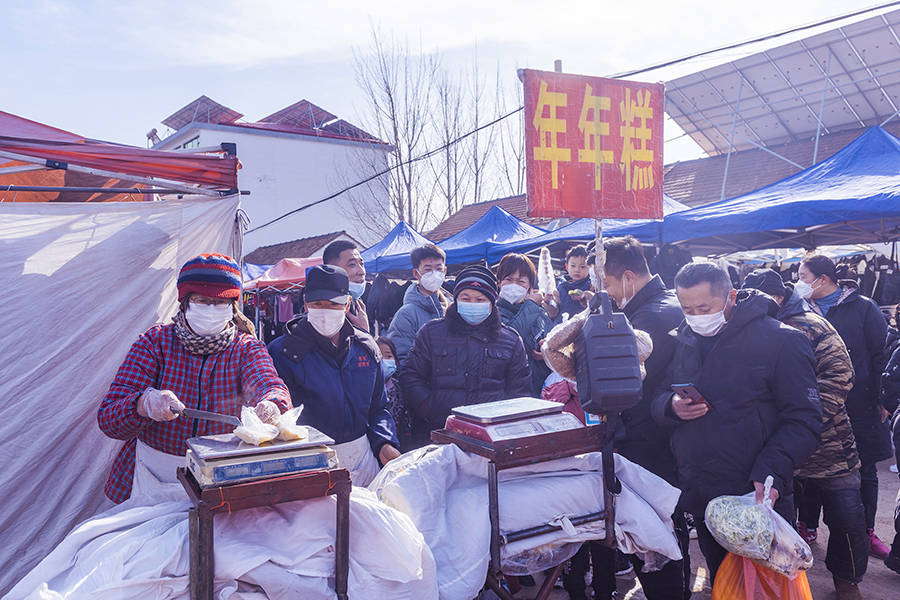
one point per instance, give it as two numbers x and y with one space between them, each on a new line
766 418
655 310
452 363
415 312
864 330
837 454
532 323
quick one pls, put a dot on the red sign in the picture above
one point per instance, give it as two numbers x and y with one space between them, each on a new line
594 146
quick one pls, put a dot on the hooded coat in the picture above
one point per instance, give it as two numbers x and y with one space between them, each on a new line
452 363
766 418
836 456
864 330
417 310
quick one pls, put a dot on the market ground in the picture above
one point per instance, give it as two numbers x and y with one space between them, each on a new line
879 584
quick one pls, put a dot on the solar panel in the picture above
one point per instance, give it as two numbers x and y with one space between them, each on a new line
301 115
202 110
850 76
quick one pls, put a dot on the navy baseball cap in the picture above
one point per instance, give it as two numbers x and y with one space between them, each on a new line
327 282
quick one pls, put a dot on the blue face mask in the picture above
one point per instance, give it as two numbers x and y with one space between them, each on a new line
473 313
388 367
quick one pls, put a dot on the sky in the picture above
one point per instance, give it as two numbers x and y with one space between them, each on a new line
113 69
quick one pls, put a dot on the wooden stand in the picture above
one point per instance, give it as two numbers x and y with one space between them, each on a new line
525 451
211 501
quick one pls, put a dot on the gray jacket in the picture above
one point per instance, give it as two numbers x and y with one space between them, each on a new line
415 312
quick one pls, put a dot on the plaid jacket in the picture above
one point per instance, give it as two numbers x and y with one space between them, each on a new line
240 375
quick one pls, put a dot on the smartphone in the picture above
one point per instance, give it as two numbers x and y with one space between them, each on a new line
687 390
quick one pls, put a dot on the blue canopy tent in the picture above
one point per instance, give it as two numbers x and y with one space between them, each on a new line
853 197
646 230
392 253
495 226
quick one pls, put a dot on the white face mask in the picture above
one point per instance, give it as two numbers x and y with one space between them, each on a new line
624 299
513 293
208 319
326 321
357 290
805 290
431 280
707 325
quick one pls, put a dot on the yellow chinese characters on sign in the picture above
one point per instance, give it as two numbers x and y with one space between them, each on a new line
595 146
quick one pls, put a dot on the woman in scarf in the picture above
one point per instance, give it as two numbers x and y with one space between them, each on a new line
207 359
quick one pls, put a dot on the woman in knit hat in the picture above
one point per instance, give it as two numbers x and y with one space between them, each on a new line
467 357
207 359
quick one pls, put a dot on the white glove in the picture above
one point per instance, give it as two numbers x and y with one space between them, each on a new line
159 405
268 412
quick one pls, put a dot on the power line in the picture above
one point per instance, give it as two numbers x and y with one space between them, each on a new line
428 154
763 38
676 61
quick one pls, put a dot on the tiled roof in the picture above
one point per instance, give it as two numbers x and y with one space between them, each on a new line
694 182
467 215
303 248
699 181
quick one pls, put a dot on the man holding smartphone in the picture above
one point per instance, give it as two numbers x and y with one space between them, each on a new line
759 375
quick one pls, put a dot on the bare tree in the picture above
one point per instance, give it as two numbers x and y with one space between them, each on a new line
511 145
481 149
398 85
447 165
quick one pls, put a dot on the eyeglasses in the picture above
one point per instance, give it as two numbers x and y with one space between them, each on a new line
211 301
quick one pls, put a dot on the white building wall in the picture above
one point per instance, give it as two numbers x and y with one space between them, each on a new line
283 172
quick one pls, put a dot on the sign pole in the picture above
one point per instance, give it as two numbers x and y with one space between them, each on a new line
599 254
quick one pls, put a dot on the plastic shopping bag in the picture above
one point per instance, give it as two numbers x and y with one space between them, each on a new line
740 578
756 531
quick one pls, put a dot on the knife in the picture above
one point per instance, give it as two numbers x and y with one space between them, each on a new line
209 416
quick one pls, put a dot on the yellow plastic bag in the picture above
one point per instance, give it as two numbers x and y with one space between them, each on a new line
740 578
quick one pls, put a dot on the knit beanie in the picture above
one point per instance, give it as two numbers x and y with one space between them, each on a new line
766 281
213 275
479 279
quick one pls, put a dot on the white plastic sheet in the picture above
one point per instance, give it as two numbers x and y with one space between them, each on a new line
80 282
139 551
444 491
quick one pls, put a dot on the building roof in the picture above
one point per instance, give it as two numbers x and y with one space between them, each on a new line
694 182
300 118
467 215
699 182
847 77
302 248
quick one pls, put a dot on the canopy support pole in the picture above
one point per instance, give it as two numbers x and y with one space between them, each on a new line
822 107
737 109
53 164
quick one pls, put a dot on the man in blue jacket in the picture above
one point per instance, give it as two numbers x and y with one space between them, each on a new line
334 371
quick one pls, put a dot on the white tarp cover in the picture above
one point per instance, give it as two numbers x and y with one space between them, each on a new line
444 491
139 551
81 282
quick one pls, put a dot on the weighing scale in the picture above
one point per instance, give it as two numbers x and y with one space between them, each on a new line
216 460
510 419
522 431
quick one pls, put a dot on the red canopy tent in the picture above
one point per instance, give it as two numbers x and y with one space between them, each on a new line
39 163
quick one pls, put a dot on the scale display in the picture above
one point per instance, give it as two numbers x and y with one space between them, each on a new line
510 430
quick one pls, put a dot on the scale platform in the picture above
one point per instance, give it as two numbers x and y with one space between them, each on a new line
224 459
510 419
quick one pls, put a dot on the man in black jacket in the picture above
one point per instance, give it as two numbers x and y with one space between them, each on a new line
652 308
758 376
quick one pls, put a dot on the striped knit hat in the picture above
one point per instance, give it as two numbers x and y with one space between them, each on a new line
213 275
479 279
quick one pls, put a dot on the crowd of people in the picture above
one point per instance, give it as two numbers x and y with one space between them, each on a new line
798 382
